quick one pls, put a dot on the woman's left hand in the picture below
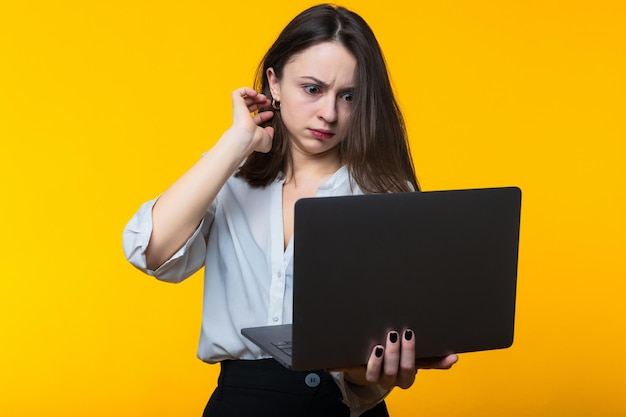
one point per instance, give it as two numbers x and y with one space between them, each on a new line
394 364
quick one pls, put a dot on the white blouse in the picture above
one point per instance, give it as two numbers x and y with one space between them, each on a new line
248 275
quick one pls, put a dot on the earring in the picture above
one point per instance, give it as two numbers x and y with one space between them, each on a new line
276 104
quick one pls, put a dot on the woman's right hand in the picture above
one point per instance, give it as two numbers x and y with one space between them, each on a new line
180 208
247 119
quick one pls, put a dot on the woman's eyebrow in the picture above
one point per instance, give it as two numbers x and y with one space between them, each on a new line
315 80
323 83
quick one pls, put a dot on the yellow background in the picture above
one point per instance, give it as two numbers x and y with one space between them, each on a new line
104 103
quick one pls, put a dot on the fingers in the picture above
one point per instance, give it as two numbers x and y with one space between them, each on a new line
374 365
448 361
443 362
391 361
407 370
262 117
252 99
393 365
248 119
257 102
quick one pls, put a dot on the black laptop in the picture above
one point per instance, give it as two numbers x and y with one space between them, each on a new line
442 263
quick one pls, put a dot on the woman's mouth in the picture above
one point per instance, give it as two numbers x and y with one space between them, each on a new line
322 134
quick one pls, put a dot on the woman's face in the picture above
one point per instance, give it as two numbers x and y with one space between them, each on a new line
315 94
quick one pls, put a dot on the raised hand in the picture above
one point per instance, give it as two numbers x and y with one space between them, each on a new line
247 119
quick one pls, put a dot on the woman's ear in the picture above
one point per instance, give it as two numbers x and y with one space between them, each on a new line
274 84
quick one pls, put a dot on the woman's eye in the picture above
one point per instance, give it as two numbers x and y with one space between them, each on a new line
312 89
347 97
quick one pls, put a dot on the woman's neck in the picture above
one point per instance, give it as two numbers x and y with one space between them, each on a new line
315 168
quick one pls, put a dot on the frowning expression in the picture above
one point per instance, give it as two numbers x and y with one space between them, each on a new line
316 91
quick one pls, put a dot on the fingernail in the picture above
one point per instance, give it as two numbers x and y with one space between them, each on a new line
378 352
408 335
393 337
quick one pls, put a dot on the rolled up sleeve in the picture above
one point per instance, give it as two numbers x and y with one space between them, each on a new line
182 264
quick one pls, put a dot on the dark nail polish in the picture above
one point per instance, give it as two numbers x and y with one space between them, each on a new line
408 335
378 352
393 337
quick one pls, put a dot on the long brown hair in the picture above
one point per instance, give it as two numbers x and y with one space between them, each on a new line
375 148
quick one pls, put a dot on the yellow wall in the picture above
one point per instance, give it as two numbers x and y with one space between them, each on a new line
104 103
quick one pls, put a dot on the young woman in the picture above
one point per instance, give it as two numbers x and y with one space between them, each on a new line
323 121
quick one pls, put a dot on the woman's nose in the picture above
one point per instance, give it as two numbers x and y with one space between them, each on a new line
328 109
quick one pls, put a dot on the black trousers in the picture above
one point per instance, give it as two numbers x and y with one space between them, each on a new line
264 388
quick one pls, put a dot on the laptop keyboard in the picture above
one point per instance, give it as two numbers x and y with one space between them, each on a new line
284 346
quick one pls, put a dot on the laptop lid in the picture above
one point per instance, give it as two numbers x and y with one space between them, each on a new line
442 263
